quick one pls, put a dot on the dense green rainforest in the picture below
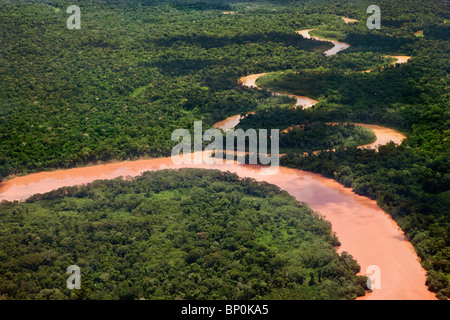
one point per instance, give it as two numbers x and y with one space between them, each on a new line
137 70
187 234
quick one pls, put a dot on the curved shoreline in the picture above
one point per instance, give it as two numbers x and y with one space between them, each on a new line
363 228
250 82
383 135
338 45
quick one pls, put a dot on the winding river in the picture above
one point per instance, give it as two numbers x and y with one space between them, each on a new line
250 82
338 46
363 228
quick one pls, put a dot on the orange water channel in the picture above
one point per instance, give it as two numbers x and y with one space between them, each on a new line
250 82
304 101
349 20
363 228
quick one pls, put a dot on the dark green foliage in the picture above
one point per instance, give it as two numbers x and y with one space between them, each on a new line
189 234
321 136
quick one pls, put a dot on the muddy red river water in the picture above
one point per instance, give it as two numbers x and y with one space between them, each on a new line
363 228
